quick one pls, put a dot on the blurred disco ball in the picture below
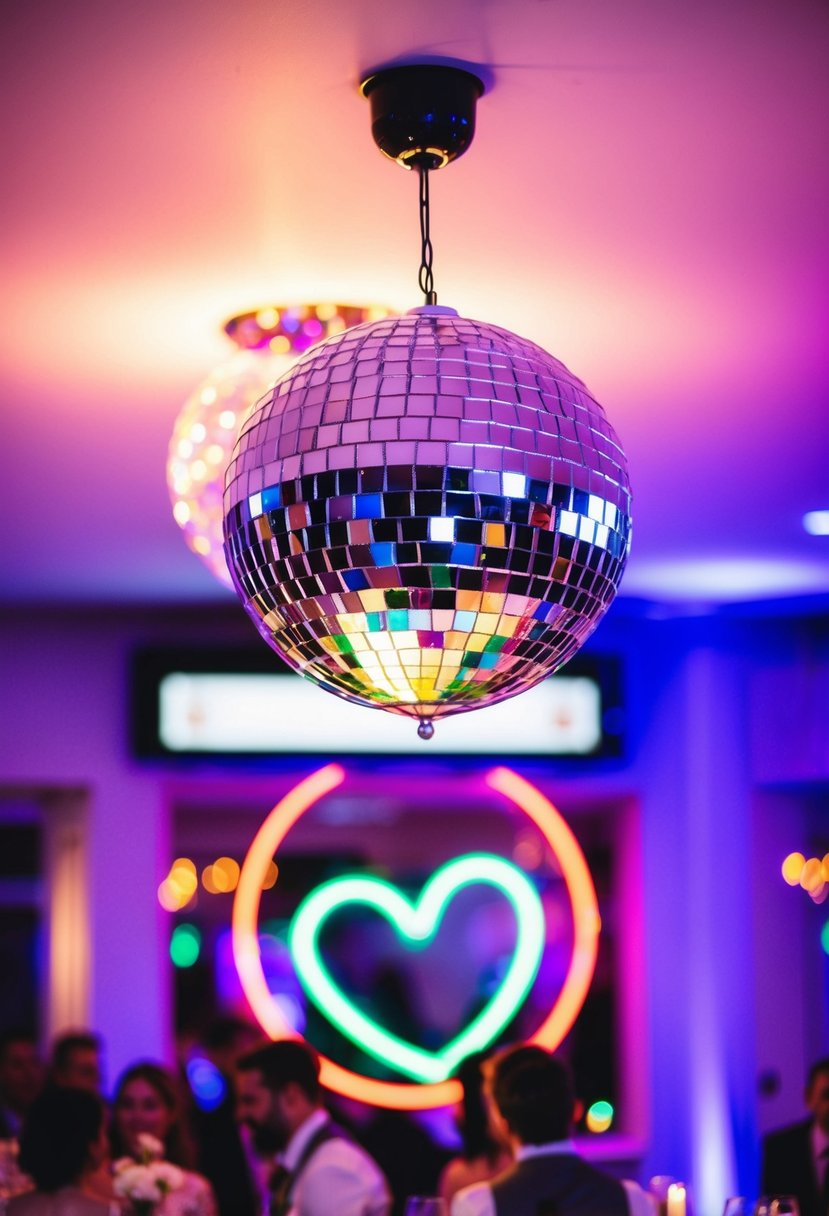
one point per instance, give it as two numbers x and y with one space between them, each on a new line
426 515
269 340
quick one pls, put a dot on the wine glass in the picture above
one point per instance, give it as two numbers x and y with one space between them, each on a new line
425 1205
777 1205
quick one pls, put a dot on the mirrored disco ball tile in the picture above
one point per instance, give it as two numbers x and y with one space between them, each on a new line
444 520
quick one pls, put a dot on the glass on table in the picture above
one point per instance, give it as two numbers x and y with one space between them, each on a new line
777 1205
784 1205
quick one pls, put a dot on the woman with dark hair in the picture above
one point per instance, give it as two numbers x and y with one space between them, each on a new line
148 1102
62 1145
485 1151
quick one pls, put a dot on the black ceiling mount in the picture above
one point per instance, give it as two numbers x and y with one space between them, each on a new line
423 115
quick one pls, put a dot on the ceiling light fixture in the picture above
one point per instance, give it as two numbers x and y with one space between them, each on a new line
268 341
427 514
816 523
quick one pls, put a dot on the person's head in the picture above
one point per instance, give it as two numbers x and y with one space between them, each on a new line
277 1089
226 1039
63 1138
21 1071
533 1094
817 1093
76 1061
479 1137
147 1102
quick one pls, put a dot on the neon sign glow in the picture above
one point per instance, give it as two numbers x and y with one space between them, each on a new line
417 923
411 1095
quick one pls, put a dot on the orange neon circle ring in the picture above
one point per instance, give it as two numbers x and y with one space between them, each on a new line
405 1095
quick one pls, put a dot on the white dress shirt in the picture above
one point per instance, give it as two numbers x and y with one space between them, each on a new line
477 1200
340 1177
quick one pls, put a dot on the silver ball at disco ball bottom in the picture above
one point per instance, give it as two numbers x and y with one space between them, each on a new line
427 514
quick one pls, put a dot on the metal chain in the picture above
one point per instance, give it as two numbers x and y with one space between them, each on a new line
425 277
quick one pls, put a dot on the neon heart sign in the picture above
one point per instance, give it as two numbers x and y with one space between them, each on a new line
413 1095
418 922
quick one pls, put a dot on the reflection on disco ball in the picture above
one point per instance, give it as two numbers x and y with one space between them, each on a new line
427 514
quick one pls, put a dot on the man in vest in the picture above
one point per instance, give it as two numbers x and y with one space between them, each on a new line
318 1169
533 1098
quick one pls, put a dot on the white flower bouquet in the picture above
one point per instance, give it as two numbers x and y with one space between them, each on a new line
145 1182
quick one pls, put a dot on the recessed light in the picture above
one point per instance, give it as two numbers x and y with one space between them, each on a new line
817 522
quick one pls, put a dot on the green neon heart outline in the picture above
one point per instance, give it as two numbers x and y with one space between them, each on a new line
418 922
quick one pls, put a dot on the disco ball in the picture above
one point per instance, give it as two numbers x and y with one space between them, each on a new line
426 515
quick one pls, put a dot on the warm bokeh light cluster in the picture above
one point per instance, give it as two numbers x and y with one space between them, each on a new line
180 885
220 878
269 340
812 874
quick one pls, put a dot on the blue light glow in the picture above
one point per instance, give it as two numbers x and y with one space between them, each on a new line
206 1082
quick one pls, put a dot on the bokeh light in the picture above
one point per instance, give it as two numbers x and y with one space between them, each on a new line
528 851
599 1116
179 887
811 876
207 881
792 868
225 874
824 937
185 945
207 1084
222 876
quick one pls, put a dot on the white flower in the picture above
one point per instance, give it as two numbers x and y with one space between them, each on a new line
147 1190
129 1176
166 1176
150 1147
146 1183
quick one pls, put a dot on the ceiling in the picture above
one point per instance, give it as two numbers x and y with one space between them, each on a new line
647 198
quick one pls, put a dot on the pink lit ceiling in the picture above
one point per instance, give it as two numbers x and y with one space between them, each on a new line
647 198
